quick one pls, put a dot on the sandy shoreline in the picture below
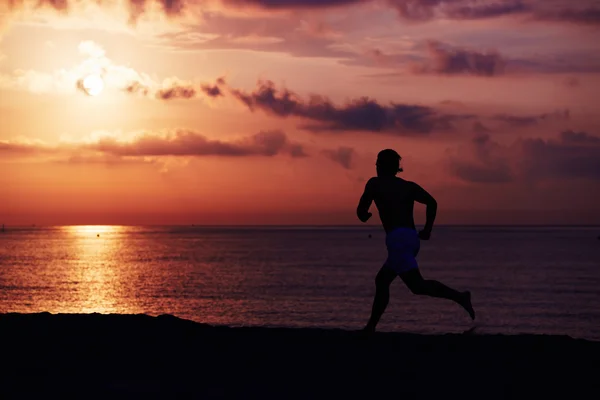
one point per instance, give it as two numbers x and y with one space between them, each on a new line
138 356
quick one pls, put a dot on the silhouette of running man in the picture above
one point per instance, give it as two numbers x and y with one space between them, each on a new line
394 198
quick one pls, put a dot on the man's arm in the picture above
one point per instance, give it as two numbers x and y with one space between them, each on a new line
362 211
423 197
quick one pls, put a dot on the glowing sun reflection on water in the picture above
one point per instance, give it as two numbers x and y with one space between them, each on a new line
97 278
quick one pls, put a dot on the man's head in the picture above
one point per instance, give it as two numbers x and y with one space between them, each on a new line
388 163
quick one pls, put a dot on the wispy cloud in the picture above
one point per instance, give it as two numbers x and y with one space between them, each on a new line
343 156
69 80
567 11
134 8
362 114
173 88
570 156
179 143
449 60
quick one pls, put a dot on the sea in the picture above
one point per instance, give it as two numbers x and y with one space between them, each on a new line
523 280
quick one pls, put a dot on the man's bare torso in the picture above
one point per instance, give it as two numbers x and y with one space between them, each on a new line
394 198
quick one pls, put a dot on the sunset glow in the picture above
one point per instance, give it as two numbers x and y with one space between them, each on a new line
85 230
272 112
93 85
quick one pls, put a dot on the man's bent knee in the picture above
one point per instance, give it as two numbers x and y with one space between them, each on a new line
417 286
417 289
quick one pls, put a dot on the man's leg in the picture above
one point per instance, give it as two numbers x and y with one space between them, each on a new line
383 280
415 282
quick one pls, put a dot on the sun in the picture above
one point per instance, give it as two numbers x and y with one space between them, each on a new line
93 85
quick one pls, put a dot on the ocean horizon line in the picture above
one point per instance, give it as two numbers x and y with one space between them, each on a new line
362 226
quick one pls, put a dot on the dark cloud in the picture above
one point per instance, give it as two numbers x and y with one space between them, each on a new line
385 59
571 137
176 90
342 155
567 11
479 128
527 120
489 10
213 90
292 4
486 162
172 8
170 91
362 114
574 61
573 155
583 16
137 88
451 61
424 10
136 8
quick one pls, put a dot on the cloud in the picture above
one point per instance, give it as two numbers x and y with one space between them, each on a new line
570 156
69 80
24 147
572 81
451 61
174 88
342 155
134 8
484 162
189 143
265 33
292 4
213 90
106 160
424 10
172 9
527 120
91 49
589 15
179 143
489 9
113 75
566 11
362 114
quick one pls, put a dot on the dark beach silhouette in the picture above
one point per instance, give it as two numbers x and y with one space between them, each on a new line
394 198
143 357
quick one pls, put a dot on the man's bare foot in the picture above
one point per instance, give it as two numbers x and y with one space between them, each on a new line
466 303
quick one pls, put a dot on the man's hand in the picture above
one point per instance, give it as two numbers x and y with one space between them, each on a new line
364 217
424 234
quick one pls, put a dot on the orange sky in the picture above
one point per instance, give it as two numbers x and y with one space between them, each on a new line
272 111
